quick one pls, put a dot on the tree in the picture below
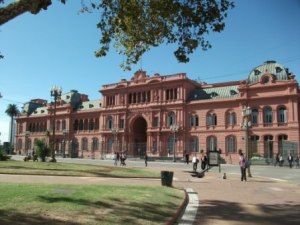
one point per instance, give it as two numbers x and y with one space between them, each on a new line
42 150
135 26
11 111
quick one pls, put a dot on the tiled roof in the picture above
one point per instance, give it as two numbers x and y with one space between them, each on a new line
214 93
276 69
94 104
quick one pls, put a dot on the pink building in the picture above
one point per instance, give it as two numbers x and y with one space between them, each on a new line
171 115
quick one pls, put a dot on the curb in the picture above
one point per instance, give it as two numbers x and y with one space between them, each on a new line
180 210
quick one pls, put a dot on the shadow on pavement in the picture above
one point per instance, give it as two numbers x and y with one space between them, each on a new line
236 213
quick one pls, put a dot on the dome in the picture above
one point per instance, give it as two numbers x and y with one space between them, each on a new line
271 67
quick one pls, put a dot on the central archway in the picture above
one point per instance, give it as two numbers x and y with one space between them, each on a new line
139 137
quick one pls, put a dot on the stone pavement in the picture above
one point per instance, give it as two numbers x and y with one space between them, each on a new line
229 201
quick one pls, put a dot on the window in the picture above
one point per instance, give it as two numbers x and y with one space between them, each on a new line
95 144
155 122
282 142
194 121
211 119
231 118
109 122
214 94
75 126
231 144
282 115
254 116
211 143
268 115
121 123
278 69
171 119
91 124
194 144
81 124
256 72
84 144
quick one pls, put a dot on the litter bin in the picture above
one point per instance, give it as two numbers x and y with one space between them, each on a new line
166 178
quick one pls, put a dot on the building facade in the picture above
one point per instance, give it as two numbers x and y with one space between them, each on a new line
171 115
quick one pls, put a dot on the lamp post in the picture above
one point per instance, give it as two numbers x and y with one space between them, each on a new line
246 125
101 146
115 132
55 92
174 128
27 142
64 143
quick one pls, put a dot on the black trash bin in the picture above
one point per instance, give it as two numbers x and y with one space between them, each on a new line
166 178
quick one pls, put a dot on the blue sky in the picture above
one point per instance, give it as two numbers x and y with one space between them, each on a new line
56 47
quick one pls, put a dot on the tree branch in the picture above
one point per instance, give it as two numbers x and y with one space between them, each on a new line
19 7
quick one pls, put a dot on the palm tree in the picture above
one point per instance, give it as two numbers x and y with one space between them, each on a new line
11 111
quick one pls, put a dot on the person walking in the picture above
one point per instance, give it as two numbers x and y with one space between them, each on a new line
195 161
203 161
146 159
187 158
243 167
290 160
297 161
277 160
115 159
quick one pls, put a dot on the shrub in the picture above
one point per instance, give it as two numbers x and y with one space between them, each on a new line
3 155
42 150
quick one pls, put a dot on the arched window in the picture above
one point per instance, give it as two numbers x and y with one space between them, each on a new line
211 119
171 119
84 144
268 119
211 143
231 118
194 121
20 144
110 144
282 115
194 144
171 144
268 146
109 122
231 144
95 144
254 116
282 140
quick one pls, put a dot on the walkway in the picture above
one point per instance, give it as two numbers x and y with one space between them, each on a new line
229 201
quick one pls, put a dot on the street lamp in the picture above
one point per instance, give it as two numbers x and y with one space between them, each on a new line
101 146
64 143
174 128
115 132
55 92
246 125
27 142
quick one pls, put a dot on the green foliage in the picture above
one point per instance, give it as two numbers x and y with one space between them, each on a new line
3 155
137 25
42 150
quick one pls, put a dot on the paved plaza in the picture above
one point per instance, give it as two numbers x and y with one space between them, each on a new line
272 196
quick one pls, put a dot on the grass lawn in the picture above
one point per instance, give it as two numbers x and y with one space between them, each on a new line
66 169
60 204
87 204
